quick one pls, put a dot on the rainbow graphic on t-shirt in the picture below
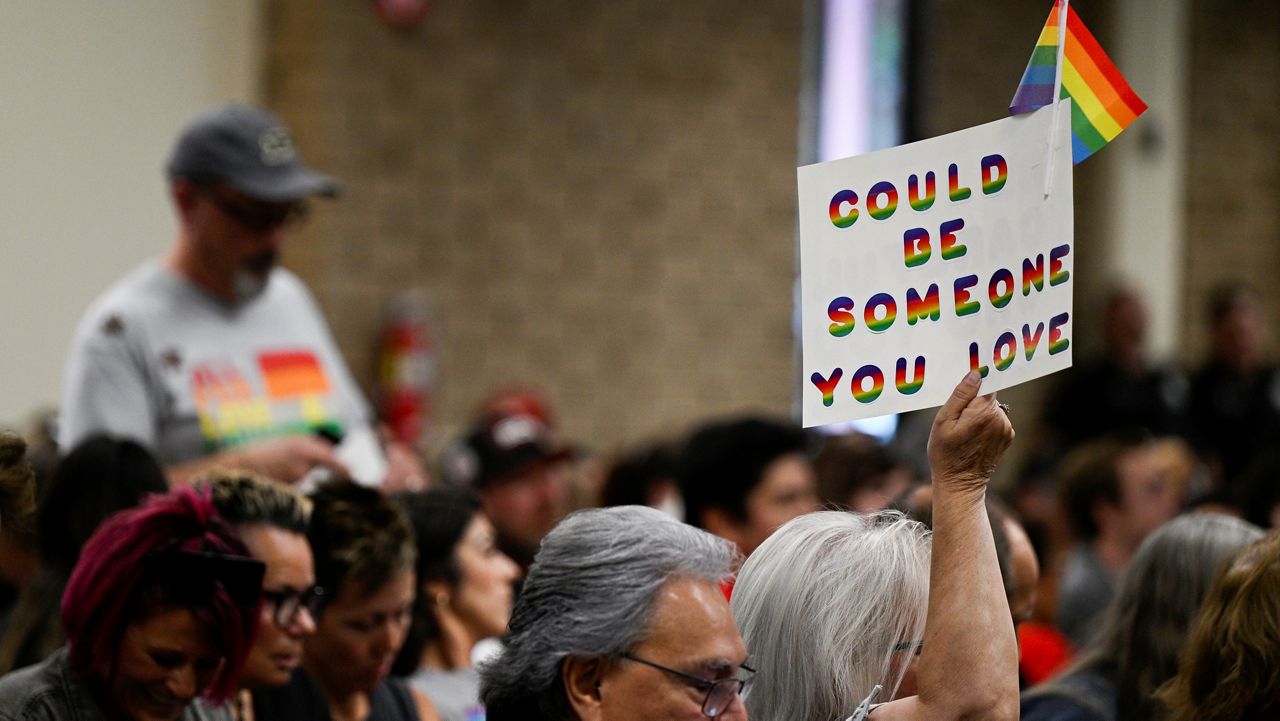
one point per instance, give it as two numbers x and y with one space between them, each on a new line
289 374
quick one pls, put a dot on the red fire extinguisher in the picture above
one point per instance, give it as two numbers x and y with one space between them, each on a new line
406 368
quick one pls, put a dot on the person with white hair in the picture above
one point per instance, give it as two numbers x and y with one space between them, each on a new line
841 610
621 617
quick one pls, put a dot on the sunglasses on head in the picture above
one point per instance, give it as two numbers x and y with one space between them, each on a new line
200 573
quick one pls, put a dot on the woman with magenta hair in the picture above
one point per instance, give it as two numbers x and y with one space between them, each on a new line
161 608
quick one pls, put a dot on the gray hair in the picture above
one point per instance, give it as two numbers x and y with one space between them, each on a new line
589 594
1150 617
823 603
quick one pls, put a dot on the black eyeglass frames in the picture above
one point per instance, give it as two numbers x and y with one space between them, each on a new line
289 604
720 694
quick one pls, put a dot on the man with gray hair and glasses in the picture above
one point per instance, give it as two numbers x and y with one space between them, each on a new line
622 617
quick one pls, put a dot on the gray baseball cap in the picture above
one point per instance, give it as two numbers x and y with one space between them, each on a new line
250 150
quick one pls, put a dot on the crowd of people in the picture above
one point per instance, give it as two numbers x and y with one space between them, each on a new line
223 531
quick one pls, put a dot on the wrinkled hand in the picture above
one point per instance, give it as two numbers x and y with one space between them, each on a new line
287 459
969 436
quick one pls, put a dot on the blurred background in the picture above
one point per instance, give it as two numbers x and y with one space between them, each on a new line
597 199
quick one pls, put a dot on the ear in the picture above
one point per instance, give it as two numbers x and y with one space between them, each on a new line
581 678
184 194
720 523
431 590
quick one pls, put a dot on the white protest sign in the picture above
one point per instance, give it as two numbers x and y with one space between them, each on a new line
920 262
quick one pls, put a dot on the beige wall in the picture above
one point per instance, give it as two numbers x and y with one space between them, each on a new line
598 198
1233 160
93 94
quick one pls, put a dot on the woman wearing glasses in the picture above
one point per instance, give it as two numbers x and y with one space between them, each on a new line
364 556
161 607
464 596
272 521
841 610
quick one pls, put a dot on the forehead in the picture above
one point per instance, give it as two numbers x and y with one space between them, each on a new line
478 528
175 629
390 597
691 625
788 472
1137 464
286 554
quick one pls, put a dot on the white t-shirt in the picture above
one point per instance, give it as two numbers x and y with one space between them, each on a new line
159 360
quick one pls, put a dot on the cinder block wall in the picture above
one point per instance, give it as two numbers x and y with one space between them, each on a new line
1233 161
597 197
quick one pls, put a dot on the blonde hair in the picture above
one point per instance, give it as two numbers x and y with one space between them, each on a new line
244 498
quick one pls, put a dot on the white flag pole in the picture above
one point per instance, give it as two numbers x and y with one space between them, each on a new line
1057 90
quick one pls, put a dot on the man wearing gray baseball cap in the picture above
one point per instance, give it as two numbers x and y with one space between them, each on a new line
215 355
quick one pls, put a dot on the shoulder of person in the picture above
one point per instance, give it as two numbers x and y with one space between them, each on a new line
1080 696
287 281
34 693
426 710
126 304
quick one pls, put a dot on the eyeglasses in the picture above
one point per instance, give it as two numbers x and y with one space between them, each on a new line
720 694
254 215
288 604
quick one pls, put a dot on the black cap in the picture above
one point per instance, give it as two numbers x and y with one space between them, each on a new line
250 150
501 445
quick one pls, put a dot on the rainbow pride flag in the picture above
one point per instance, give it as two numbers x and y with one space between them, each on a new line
1102 104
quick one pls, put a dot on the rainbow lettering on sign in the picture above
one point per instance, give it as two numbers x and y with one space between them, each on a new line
921 202
1006 350
882 211
827 386
915 247
1057 343
864 394
955 191
964 304
880 300
994 182
947 239
1033 274
1031 341
838 218
928 306
841 315
1002 278
1057 274
904 386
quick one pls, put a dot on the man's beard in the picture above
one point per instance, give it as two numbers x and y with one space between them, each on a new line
251 278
